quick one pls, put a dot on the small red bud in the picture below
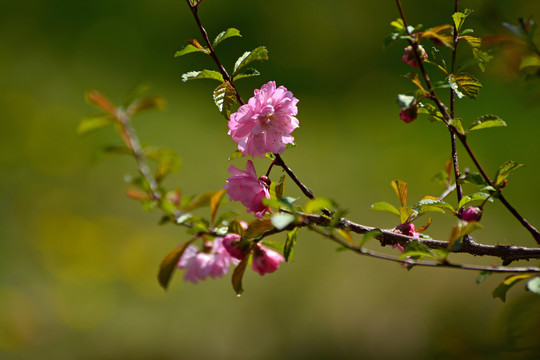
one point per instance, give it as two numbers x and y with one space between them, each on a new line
409 114
472 213
264 179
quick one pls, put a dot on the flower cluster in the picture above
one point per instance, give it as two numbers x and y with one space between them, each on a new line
265 261
406 228
265 123
213 260
247 188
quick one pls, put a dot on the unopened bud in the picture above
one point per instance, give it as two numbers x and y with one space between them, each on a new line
264 179
472 213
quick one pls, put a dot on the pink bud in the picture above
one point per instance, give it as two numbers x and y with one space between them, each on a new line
409 114
232 245
406 228
409 57
472 213
265 260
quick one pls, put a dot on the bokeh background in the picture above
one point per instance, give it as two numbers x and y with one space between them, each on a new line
78 259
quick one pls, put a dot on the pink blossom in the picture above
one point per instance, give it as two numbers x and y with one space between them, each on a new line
246 187
409 57
265 123
231 243
214 260
472 213
265 260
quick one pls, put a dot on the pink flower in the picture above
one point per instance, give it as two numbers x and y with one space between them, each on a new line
409 58
214 260
472 213
246 187
265 123
265 260
231 243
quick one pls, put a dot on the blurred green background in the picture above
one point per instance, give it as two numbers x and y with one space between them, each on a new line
79 259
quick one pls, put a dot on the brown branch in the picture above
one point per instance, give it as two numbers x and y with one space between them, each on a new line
462 138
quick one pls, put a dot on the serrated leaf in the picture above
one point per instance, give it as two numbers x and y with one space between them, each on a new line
384 206
459 19
473 41
282 220
188 49
400 187
168 264
432 201
215 201
464 85
257 54
258 227
485 122
203 74
225 35
533 285
288 249
246 73
237 276
225 98
473 197
506 170
94 123
318 204
501 290
442 33
473 178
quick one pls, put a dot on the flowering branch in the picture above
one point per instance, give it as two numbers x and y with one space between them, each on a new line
447 118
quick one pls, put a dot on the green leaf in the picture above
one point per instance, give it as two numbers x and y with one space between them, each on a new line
400 187
258 54
459 19
442 33
501 290
398 25
199 201
485 122
203 74
318 204
192 46
168 264
258 227
405 213
431 201
473 41
473 178
458 125
235 155
370 235
282 220
280 187
288 250
483 275
225 98
225 35
432 111
237 276
384 206
505 171
473 197
437 60
464 85
533 285
235 227
530 64
417 251
215 201
94 123
250 72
